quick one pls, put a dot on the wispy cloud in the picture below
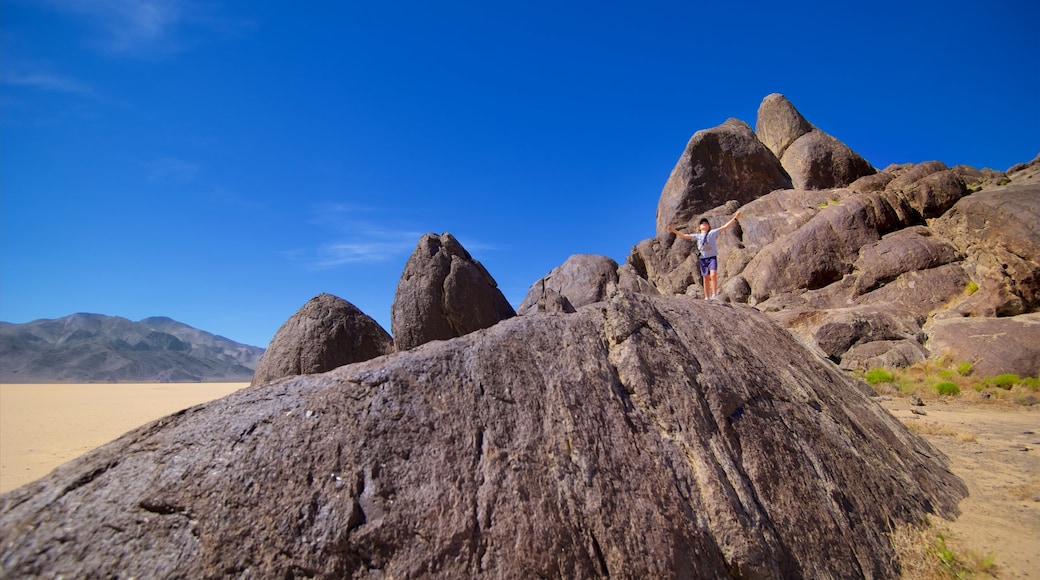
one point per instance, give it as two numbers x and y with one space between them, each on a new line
358 235
147 28
171 168
48 82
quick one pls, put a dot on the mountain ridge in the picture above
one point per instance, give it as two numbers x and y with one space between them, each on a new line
89 347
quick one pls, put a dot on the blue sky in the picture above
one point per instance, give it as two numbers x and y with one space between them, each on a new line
221 163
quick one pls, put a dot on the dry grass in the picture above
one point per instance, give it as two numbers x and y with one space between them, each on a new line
929 428
928 551
936 380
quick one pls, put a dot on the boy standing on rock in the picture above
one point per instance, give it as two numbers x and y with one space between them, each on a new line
707 246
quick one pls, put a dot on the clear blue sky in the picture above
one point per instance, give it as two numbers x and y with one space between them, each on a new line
221 163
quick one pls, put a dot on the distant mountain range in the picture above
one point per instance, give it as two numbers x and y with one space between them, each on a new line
83 348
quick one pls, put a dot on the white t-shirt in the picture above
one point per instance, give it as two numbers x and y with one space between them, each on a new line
707 243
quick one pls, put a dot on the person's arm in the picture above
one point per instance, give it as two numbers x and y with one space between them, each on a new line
732 221
678 233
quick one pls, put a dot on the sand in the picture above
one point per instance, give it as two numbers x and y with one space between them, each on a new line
45 425
995 450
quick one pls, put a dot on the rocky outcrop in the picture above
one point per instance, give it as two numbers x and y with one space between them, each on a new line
724 163
326 333
813 159
914 243
582 279
444 293
647 436
993 345
999 230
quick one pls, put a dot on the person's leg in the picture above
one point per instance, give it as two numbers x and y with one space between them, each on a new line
713 277
705 278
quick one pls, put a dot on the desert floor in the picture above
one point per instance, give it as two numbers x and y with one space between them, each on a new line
995 450
43 426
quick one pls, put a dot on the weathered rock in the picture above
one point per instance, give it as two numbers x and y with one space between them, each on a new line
872 183
817 160
993 345
779 124
999 231
906 250
444 293
635 439
821 251
813 159
581 279
883 354
724 163
834 331
326 333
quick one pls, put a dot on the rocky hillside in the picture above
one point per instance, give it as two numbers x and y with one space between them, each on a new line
96 348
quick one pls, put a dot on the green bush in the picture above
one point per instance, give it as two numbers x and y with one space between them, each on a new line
971 288
1005 381
964 368
947 388
875 376
1031 383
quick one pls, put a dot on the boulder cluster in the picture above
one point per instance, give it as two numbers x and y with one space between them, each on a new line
613 424
867 268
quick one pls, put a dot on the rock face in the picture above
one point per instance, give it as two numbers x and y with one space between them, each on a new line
724 163
645 436
444 293
994 345
326 333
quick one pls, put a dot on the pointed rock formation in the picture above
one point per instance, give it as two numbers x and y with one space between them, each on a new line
654 436
326 333
812 158
779 124
582 279
724 163
444 293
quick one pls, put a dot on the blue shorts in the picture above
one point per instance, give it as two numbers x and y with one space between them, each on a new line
709 265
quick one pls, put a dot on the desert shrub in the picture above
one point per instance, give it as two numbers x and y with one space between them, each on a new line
875 376
964 368
1004 381
947 388
1031 383
971 287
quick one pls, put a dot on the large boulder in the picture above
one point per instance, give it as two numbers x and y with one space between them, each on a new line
906 250
779 124
582 279
724 163
326 333
813 159
444 293
653 436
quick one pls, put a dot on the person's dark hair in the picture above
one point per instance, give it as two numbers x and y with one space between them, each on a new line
704 221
